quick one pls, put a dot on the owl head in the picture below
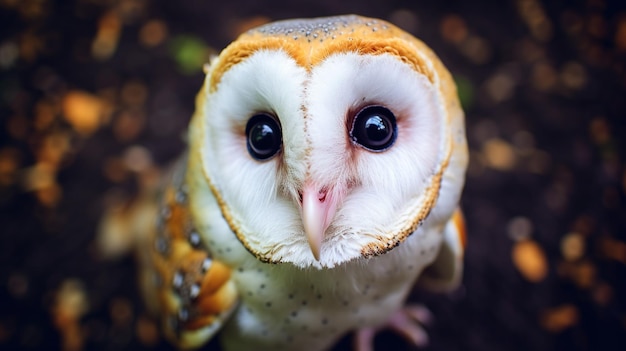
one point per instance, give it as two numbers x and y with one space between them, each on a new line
329 140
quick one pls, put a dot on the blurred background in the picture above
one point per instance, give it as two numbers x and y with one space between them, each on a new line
95 96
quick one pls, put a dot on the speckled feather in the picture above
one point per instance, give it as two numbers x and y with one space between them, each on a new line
209 270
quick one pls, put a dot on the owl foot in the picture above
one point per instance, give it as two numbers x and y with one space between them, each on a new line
407 322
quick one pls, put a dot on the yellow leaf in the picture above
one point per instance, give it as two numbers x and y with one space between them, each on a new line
83 111
530 260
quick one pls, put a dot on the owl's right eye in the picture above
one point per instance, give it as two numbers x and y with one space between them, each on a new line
264 136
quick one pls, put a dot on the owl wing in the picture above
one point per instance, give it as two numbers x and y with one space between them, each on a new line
445 272
190 292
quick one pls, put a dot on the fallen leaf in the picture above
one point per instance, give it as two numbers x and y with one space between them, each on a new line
560 318
153 33
530 260
69 307
572 246
499 154
83 111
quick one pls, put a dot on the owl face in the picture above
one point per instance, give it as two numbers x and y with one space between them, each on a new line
329 140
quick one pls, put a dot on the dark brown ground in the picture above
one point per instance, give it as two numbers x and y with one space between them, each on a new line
88 88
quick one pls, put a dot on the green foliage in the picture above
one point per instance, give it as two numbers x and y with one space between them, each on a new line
189 52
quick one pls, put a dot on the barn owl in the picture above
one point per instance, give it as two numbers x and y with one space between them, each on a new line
325 165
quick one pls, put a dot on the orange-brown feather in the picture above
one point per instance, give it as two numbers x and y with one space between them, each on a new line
459 223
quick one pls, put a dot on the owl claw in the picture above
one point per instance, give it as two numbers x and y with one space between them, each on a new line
407 322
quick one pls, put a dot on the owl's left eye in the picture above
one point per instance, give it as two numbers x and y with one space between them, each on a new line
374 128
264 136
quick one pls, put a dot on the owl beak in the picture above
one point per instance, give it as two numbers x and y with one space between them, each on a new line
318 210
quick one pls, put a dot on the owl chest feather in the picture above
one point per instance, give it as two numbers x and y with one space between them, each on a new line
282 305
286 306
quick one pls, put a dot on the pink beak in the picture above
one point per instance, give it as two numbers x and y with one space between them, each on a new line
318 210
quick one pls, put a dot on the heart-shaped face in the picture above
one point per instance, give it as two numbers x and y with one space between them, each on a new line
329 140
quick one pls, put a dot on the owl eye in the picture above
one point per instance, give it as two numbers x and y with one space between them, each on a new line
264 136
374 128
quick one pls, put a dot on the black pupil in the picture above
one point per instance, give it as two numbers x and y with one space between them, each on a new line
264 137
374 128
377 129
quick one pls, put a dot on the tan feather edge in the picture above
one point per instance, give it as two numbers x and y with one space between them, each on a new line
382 245
239 51
196 156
